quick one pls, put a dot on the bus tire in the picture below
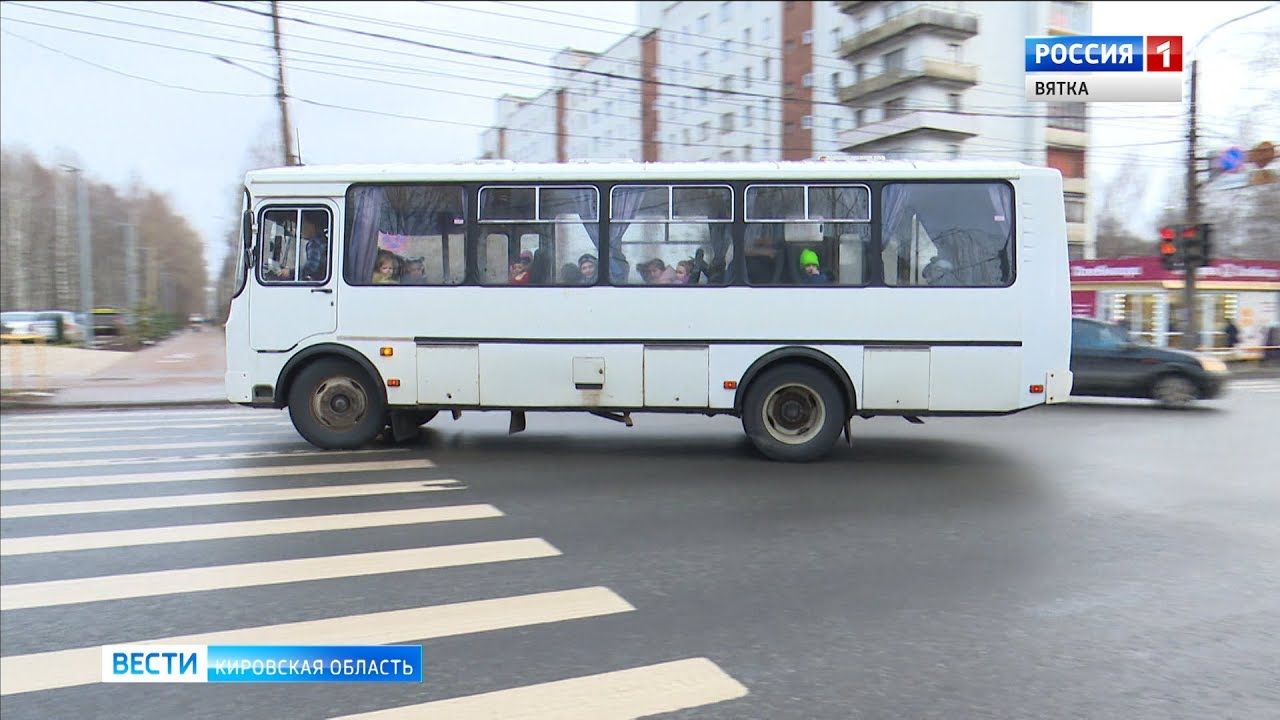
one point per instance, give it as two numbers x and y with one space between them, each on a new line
335 406
794 413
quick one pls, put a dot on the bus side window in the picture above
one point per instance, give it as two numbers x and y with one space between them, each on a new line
493 261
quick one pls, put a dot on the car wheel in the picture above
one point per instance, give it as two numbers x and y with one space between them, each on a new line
334 405
1174 391
793 413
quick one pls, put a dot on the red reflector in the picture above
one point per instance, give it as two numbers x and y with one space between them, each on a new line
1037 389
393 382
730 384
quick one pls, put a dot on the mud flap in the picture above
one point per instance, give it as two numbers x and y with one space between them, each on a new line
404 426
517 422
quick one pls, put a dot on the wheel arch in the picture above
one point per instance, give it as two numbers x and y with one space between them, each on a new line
318 352
801 355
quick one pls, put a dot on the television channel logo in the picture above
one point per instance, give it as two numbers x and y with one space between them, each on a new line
1104 68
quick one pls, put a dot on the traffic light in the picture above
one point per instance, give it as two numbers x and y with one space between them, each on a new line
1196 245
1183 245
1170 249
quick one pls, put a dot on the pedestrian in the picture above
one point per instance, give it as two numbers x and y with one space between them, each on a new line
1233 334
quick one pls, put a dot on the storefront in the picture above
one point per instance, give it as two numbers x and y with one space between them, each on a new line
1141 295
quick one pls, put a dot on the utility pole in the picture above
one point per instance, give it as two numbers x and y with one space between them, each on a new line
1191 336
131 262
282 98
86 256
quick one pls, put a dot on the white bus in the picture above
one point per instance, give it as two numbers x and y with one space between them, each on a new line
795 296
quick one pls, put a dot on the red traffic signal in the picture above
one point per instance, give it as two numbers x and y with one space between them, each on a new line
1170 252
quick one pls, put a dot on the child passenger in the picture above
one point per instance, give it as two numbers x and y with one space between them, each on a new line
386 269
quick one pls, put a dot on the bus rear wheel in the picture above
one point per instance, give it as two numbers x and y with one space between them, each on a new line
334 405
793 413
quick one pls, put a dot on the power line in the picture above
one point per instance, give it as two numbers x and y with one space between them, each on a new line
1001 147
597 73
713 112
135 77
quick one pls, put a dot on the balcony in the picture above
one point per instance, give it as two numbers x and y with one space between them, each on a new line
942 71
1061 137
919 123
935 20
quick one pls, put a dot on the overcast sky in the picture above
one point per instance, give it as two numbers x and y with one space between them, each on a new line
186 121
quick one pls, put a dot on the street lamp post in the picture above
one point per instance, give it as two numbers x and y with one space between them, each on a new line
86 252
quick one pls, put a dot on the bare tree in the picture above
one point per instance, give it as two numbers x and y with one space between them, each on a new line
1120 199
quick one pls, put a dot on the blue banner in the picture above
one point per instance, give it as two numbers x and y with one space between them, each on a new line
1085 53
314 663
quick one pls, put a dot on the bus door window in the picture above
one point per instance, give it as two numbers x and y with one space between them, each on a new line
295 246
314 239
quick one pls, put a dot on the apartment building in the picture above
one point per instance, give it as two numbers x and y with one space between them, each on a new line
945 79
790 80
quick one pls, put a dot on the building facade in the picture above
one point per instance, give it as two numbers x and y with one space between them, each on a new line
945 79
1141 295
788 80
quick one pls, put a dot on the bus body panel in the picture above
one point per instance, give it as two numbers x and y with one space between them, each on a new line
905 350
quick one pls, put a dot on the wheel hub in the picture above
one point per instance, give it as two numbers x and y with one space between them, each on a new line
794 414
339 403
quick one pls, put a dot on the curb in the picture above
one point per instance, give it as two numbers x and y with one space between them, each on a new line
27 406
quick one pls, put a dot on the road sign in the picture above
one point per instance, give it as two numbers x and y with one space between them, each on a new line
1262 153
1230 160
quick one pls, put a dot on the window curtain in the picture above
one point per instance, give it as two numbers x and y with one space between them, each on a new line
362 236
626 201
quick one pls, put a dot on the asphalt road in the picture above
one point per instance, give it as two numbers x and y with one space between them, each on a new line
1093 560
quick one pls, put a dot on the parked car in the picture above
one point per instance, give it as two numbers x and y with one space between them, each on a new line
29 323
1106 362
68 327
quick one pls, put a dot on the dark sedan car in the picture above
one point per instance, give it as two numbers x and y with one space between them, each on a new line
1106 362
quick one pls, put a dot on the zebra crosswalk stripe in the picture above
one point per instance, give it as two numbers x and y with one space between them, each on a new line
619 695
213 474
274 572
141 447
37 544
164 502
83 666
207 457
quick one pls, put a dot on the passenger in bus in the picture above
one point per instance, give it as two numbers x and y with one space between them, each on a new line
587 266
520 274
386 268
316 247
810 270
570 274
414 271
656 272
684 272
938 271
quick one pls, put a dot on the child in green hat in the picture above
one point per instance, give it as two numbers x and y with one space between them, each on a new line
809 270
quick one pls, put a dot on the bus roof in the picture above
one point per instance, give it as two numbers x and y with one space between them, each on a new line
500 170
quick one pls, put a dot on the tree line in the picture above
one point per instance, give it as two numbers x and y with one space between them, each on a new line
40 241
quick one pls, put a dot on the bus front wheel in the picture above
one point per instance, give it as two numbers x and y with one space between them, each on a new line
793 413
334 405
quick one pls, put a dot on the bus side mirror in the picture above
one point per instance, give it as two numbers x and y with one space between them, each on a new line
246 229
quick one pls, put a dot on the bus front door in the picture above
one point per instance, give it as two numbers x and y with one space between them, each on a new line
294 297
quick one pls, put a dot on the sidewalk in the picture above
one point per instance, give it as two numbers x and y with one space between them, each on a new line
185 370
